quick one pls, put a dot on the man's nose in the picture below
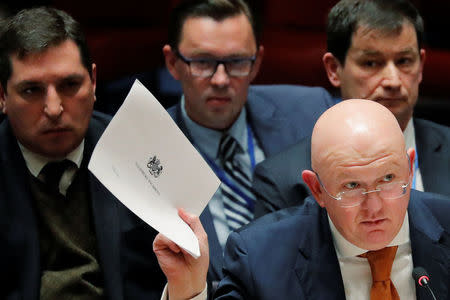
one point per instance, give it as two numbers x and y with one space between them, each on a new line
53 104
220 78
391 76
373 202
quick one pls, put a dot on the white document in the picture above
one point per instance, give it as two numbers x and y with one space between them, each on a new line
145 160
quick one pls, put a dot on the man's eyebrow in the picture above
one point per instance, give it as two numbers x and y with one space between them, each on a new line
211 56
27 83
408 51
72 77
370 52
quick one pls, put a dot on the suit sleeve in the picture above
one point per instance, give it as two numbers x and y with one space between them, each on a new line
237 282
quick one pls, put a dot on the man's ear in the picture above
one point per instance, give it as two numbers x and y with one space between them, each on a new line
2 99
332 67
310 178
170 59
412 156
94 79
422 62
257 63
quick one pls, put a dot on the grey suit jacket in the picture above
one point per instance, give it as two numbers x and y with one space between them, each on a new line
290 254
278 183
124 242
279 115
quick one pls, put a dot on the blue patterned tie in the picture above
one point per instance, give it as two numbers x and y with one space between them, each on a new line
238 192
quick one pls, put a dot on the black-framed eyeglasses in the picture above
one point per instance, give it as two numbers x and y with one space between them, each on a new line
206 67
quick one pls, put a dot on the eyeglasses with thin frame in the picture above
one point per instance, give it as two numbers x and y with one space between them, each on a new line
387 191
206 67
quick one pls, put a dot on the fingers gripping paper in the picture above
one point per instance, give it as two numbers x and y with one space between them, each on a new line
145 160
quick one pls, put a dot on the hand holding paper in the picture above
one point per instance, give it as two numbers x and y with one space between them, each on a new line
145 160
185 275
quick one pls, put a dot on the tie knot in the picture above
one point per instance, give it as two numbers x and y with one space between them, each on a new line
227 148
380 262
53 171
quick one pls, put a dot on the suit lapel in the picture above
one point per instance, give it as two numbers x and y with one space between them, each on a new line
178 118
22 217
427 250
434 162
215 250
265 123
317 266
106 220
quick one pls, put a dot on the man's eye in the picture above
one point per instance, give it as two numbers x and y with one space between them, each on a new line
69 86
370 63
351 185
71 83
32 90
388 177
205 62
405 61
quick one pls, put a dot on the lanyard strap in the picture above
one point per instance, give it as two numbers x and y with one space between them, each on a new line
222 174
416 169
251 148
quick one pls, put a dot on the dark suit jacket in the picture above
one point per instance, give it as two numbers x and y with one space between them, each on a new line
280 115
124 243
290 254
278 180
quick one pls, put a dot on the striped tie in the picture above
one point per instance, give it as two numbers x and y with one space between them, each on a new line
237 193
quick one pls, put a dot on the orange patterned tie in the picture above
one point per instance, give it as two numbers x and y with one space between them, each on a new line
380 262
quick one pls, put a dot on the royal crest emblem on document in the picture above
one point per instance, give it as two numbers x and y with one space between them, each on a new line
154 166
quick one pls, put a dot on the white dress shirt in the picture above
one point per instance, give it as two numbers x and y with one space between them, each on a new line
36 162
355 271
207 142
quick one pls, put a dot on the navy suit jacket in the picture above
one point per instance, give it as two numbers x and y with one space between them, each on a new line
290 254
280 115
278 180
124 243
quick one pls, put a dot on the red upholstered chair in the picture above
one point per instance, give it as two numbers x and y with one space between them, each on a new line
124 37
294 38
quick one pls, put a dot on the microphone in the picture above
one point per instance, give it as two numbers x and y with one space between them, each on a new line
421 277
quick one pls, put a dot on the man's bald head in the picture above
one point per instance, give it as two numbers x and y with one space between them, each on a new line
354 127
361 172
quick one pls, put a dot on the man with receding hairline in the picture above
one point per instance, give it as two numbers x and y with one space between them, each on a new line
362 217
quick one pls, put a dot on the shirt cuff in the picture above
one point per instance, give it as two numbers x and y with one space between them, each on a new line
202 296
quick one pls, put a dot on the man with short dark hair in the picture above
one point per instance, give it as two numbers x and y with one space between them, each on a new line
63 235
215 53
374 52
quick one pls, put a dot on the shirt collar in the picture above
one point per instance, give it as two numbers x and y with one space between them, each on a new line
410 138
207 140
35 162
346 249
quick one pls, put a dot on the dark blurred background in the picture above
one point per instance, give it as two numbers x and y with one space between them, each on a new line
126 39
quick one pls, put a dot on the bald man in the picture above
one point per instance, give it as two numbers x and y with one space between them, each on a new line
361 205
374 52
